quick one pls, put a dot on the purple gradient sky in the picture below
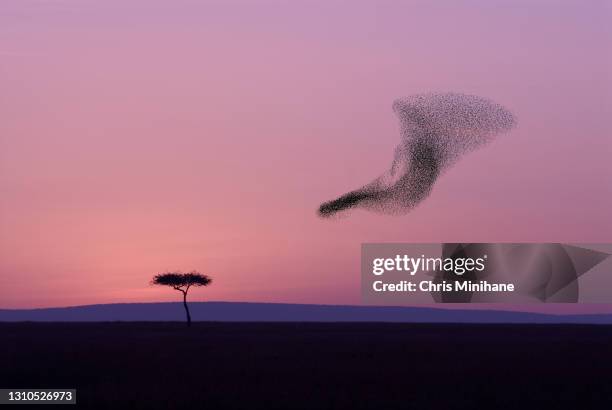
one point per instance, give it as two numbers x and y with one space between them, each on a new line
140 136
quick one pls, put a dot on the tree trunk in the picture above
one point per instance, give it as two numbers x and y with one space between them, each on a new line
186 309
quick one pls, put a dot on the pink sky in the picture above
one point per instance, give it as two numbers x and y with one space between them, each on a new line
141 136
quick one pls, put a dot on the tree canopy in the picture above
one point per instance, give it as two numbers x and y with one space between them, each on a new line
181 281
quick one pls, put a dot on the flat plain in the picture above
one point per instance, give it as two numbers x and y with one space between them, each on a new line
152 365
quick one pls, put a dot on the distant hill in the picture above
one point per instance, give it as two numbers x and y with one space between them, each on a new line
281 312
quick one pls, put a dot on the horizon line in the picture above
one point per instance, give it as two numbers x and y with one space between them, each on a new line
446 306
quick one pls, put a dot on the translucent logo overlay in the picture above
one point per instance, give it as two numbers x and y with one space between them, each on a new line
408 273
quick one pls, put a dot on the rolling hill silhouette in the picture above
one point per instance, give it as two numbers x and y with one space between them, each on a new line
283 312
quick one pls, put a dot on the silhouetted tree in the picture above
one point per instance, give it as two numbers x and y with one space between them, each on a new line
182 282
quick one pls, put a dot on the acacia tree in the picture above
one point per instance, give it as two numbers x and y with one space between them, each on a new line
182 282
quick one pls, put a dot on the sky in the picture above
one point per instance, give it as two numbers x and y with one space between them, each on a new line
143 136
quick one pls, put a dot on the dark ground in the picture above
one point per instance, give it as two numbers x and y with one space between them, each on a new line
311 365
